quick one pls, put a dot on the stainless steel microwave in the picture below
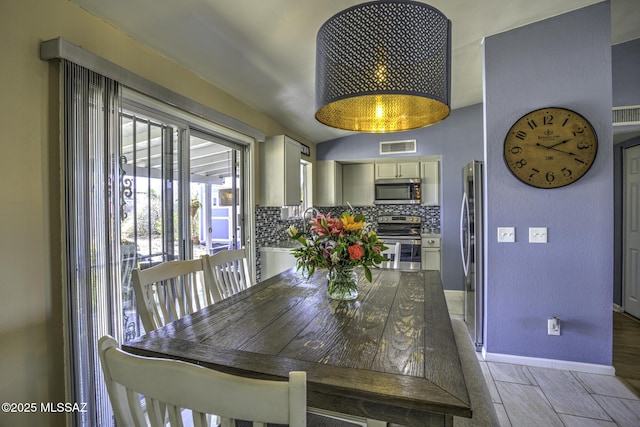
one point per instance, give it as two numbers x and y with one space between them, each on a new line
402 191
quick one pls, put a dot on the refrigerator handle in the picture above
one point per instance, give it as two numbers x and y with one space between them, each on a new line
464 212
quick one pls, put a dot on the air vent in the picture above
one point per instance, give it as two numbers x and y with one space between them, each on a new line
624 116
398 147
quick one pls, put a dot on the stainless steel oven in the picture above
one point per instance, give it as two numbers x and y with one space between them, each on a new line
406 230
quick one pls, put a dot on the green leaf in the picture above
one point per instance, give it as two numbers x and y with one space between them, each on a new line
367 273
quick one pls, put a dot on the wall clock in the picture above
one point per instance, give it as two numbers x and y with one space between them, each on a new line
550 147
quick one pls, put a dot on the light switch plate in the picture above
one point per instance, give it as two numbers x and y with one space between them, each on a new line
506 234
537 234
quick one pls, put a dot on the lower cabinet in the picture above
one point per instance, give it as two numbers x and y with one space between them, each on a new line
431 259
274 261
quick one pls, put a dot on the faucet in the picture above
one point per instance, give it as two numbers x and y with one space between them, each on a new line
305 223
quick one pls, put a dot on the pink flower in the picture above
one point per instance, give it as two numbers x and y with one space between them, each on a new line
335 226
316 225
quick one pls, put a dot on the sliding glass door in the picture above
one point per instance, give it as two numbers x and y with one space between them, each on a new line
149 204
181 198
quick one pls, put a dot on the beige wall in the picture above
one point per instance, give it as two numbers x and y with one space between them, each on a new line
31 308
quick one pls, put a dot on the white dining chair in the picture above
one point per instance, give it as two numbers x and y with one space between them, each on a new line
228 270
169 387
171 290
393 254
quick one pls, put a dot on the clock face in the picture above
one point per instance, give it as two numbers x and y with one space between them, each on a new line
550 148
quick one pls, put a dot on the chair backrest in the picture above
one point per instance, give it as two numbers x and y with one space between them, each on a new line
228 270
171 290
170 386
392 253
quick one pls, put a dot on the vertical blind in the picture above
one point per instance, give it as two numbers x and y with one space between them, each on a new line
91 215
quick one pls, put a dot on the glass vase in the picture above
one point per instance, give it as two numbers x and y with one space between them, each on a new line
343 284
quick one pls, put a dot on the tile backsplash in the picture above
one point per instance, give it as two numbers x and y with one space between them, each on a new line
271 229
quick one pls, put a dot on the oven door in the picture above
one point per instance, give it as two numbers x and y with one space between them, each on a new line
410 251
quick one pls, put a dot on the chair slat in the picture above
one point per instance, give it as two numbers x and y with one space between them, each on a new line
392 253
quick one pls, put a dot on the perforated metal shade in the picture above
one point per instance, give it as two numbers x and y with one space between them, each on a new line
384 66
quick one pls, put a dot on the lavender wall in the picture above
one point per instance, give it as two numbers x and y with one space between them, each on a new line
564 61
459 140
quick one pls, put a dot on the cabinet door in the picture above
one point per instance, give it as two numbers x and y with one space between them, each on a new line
329 186
386 170
357 184
431 183
275 262
430 259
408 170
292 189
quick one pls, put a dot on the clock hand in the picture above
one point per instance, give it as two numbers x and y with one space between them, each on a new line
561 142
555 149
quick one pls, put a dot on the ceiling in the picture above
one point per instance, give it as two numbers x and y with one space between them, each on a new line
262 52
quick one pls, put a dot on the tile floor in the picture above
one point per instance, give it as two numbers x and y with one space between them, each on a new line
526 396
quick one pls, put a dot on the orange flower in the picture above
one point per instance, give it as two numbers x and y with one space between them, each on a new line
350 224
356 252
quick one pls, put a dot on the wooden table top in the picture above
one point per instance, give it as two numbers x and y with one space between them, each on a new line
389 355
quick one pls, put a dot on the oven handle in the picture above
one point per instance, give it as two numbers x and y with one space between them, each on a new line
392 240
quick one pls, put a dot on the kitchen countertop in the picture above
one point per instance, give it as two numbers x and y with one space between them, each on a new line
281 246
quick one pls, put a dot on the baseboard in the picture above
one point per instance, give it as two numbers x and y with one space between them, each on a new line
458 294
565 365
618 308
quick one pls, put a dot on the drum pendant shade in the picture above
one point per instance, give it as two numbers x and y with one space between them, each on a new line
384 66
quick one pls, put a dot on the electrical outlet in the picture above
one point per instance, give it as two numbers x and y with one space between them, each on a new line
553 326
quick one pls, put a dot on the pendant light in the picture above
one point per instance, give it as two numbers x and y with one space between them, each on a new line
384 66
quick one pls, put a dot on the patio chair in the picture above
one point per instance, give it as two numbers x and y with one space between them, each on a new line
228 270
171 290
172 389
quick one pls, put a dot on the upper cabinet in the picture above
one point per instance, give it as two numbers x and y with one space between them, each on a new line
397 170
430 182
329 183
357 187
280 171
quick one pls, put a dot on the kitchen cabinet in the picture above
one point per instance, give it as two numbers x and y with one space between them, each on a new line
431 259
280 171
329 183
430 183
274 261
397 170
357 184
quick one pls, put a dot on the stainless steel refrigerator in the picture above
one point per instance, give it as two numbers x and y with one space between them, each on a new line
471 245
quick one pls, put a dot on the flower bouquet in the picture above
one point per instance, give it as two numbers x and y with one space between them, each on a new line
338 245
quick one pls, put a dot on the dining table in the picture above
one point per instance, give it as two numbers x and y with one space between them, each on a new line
389 356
